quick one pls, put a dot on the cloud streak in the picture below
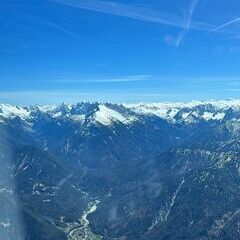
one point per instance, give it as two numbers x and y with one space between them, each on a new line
132 78
188 22
134 12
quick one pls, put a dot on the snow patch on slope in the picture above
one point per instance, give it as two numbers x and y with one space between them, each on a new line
212 116
107 116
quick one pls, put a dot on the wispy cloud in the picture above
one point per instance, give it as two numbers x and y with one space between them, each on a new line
132 78
136 12
224 25
188 22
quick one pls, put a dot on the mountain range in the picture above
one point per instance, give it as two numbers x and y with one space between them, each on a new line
144 171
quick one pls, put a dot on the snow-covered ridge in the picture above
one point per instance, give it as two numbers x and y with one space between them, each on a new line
107 113
189 111
8 111
218 104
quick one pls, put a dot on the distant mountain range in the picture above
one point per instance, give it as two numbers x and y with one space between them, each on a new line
146 171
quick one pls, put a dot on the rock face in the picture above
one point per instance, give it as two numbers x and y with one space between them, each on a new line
133 171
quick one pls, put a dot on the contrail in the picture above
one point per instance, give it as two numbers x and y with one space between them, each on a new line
187 26
136 12
225 25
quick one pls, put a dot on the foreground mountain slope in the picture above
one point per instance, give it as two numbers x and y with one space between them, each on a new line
107 171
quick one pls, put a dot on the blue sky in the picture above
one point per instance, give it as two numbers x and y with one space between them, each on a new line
122 50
